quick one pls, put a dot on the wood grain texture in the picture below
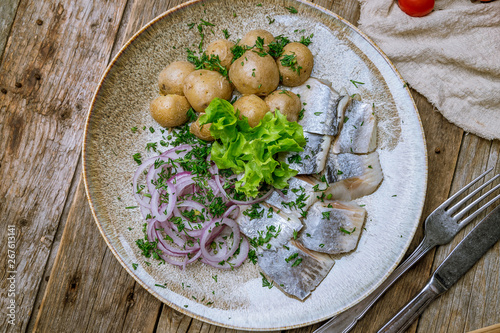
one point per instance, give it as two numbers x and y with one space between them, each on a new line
49 71
88 289
8 10
472 296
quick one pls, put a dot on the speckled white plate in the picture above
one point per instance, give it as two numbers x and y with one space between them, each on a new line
342 53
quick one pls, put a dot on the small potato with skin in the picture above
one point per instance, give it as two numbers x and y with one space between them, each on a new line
301 60
286 101
252 107
202 86
170 110
222 48
202 132
171 78
253 74
251 37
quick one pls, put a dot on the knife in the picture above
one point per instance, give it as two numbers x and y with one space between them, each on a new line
463 257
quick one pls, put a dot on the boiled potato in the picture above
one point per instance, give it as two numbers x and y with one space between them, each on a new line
252 107
170 110
171 78
286 101
295 64
251 37
202 86
253 74
222 48
202 132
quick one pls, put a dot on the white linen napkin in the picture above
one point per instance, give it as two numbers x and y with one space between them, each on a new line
451 56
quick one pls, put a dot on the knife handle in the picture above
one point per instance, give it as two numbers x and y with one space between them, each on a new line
400 322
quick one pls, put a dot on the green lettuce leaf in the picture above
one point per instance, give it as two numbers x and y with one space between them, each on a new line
251 151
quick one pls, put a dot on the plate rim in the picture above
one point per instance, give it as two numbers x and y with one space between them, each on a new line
118 256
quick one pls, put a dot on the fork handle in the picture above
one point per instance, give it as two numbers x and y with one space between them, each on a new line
407 315
346 320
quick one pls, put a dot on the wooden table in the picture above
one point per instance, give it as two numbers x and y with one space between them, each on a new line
52 56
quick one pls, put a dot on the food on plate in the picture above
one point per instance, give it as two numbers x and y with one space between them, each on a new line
170 80
202 86
359 131
270 175
250 151
322 115
312 160
352 176
286 101
170 110
222 49
252 107
294 269
254 74
333 227
251 38
267 227
201 132
295 64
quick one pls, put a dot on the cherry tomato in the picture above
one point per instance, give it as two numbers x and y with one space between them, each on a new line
416 7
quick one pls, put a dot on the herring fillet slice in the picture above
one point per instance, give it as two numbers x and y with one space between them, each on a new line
359 130
313 158
333 227
286 225
301 279
320 103
352 176
298 197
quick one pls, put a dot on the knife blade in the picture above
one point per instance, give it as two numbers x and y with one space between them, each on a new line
459 261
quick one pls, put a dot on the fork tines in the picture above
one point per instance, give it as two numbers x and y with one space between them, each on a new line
464 211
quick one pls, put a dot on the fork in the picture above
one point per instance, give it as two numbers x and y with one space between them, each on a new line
441 226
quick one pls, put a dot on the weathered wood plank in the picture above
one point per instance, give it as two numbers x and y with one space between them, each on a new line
88 288
49 70
474 301
55 247
8 9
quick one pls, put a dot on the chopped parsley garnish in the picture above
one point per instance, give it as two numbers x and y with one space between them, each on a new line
134 266
301 114
356 83
137 158
297 262
339 172
226 33
321 245
317 113
132 207
306 40
295 159
252 256
346 119
214 277
205 61
326 215
271 21
253 212
290 60
277 45
265 282
160 285
291 257
292 10
345 231
134 129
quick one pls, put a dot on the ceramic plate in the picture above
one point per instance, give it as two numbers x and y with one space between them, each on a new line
342 53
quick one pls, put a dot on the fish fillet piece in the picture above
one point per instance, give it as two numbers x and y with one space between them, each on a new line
359 130
313 158
294 269
280 227
333 227
320 103
297 198
352 176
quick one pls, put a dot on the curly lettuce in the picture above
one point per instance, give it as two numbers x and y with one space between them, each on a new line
251 151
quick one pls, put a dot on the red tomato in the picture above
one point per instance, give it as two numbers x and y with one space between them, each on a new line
416 7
